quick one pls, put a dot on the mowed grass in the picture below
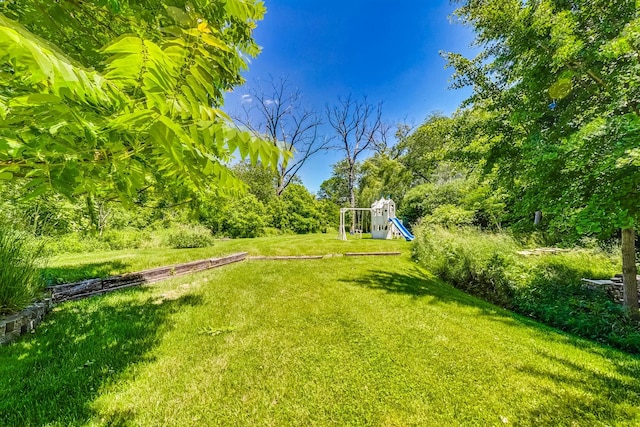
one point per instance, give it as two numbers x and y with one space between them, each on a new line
73 267
338 341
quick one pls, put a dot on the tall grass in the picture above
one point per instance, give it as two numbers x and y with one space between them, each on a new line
545 287
20 281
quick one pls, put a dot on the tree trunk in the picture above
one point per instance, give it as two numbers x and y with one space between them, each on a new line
629 271
280 185
352 194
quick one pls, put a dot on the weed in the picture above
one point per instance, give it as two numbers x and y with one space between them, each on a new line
20 262
213 331
545 287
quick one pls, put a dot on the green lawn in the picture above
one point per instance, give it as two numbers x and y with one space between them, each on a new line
72 267
338 341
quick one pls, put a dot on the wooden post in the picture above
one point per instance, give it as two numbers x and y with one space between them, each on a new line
629 271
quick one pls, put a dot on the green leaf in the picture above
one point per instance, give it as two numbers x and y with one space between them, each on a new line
55 128
561 88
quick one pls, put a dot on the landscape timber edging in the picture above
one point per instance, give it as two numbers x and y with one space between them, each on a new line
285 257
372 253
303 257
23 322
91 287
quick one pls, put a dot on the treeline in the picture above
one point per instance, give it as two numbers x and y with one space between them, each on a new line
431 176
186 220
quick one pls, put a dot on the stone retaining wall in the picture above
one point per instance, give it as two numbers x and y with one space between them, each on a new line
613 287
23 322
616 292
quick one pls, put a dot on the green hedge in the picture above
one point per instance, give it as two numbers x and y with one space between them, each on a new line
545 287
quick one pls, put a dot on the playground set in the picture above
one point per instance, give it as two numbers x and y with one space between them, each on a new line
383 222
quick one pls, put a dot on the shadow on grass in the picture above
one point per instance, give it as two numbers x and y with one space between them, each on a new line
52 377
418 283
569 302
585 391
75 273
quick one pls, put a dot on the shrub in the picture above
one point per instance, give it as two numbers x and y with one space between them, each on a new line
90 242
545 287
20 281
239 217
190 237
295 211
479 266
450 216
178 236
73 243
124 239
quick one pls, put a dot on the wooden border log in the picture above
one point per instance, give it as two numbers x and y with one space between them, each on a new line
90 287
285 257
372 253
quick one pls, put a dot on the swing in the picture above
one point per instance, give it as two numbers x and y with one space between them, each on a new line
379 220
358 219
357 225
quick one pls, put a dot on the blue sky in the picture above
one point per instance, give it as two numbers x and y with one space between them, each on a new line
387 51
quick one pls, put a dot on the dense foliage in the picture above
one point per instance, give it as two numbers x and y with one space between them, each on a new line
295 211
558 81
545 287
147 111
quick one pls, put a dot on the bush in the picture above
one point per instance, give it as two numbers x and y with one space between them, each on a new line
90 242
545 287
20 281
295 211
73 243
476 265
190 237
450 216
239 217
124 239
179 236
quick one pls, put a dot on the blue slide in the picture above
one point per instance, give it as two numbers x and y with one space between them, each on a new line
405 233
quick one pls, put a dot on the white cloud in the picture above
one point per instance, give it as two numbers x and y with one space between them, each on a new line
246 98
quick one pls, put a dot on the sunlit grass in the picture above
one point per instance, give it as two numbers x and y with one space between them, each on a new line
73 267
339 341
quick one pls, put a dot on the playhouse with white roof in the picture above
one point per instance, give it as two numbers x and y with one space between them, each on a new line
384 223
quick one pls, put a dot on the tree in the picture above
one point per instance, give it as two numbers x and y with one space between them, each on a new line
426 147
275 112
381 175
297 211
260 181
244 216
558 80
357 125
145 115
336 188
461 200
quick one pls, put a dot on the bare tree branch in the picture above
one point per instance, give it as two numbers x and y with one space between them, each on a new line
274 110
358 127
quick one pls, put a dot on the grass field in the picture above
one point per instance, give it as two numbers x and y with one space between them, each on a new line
338 341
72 267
